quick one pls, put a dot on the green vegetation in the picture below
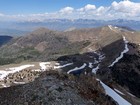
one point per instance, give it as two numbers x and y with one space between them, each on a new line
29 51
4 61
23 55
74 48
69 49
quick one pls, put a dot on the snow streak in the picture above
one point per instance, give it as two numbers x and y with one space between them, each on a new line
122 53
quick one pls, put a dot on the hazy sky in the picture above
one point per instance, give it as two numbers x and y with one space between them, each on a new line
90 9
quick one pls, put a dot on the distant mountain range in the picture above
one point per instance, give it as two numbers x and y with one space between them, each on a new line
63 24
21 28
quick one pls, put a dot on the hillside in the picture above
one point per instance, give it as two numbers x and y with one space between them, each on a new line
44 44
108 55
56 89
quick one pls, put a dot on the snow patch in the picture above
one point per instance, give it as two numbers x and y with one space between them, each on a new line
43 65
119 92
90 65
110 26
122 53
114 95
101 57
95 61
62 66
131 94
13 70
17 69
37 70
19 82
76 68
5 85
94 70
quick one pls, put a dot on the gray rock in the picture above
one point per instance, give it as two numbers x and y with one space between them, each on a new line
54 87
61 83
69 101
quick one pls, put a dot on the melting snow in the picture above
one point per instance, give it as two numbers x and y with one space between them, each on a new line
110 26
94 70
95 61
58 67
90 65
114 95
19 82
76 68
101 57
5 85
38 70
122 53
43 65
13 70
131 94
119 92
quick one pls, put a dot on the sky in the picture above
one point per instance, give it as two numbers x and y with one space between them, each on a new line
39 10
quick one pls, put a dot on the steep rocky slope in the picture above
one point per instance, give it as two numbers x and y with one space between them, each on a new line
57 89
127 71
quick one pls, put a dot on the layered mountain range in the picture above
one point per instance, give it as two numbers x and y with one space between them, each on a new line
18 28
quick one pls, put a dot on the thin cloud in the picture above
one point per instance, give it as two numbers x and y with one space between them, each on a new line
66 10
125 9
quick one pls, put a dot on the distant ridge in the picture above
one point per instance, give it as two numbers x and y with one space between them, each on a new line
21 28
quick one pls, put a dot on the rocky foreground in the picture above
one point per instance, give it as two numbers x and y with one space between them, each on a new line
52 88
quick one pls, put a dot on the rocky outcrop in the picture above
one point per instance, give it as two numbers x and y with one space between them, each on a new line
56 89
